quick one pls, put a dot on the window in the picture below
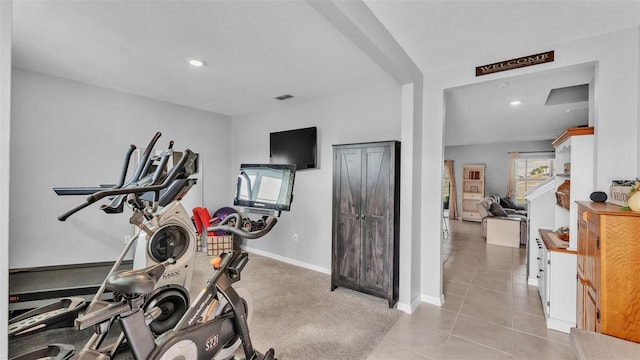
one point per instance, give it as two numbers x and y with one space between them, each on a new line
531 170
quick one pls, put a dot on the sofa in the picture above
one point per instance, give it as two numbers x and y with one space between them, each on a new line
503 222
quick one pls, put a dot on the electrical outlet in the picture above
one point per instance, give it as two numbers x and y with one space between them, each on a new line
295 237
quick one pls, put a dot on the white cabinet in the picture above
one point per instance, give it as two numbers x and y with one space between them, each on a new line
472 191
552 266
540 212
575 148
556 281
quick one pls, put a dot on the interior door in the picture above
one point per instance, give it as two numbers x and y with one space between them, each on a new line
348 193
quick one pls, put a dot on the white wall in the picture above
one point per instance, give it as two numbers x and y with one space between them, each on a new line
5 126
371 114
66 133
495 156
615 113
410 206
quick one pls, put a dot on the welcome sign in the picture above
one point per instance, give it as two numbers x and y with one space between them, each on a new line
515 63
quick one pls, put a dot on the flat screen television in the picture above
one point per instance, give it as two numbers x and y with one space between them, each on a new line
265 186
297 147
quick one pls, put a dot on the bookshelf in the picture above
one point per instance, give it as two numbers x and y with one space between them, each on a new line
472 190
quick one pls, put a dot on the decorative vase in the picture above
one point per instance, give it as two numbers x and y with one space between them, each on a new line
633 202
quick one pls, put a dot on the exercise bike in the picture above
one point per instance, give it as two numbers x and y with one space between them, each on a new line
165 232
213 327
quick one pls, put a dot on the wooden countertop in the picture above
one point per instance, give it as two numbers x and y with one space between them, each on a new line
553 242
606 208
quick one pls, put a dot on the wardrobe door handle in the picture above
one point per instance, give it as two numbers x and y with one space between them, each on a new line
362 216
357 216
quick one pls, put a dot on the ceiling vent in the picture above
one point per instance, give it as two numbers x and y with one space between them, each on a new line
283 97
568 95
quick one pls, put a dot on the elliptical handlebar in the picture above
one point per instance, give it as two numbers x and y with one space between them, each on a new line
145 161
133 187
127 160
173 174
270 222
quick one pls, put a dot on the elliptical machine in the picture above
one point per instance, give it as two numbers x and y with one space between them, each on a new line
216 323
165 232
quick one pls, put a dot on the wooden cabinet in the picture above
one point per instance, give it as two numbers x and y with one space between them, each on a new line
608 290
472 191
366 180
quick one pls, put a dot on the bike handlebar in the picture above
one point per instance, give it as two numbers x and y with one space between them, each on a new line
237 229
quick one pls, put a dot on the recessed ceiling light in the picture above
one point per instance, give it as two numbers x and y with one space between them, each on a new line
502 85
196 62
515 102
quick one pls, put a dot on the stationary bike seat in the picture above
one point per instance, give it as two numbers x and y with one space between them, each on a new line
139 281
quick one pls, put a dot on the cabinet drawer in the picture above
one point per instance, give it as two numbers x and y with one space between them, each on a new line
473 196
470 215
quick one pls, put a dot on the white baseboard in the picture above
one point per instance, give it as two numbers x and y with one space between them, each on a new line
433 300
560 325
409 308
287 260
404 307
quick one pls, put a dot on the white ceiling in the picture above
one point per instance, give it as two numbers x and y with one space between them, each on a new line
445 33
256 50
482 113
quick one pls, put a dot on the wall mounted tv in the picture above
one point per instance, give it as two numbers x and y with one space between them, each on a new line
298 147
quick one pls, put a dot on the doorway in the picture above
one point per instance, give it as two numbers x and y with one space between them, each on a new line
483 122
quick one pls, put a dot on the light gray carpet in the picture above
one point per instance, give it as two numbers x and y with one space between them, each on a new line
297 314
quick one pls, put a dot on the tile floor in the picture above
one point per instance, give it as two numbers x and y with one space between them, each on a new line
489 312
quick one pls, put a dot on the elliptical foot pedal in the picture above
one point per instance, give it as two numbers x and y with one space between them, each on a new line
51 352
270 355
55 315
